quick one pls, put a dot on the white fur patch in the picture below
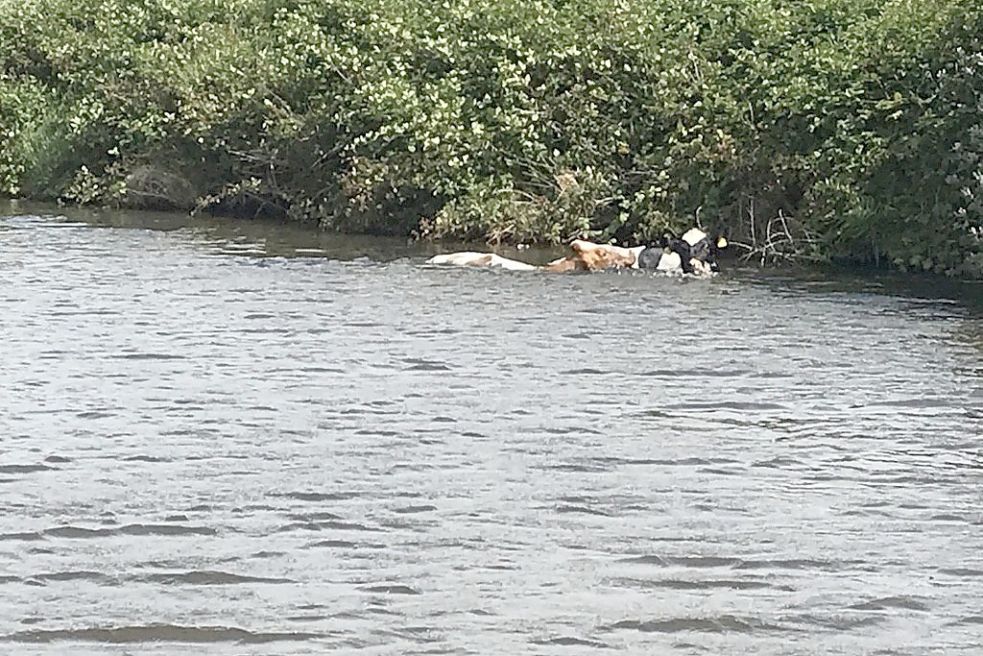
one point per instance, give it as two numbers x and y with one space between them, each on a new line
670 262
469 258
636 251
700 268
693 236
511 265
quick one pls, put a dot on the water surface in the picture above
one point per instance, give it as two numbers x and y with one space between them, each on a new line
235 438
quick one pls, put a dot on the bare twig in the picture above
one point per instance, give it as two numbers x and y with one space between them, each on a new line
754 230
781 242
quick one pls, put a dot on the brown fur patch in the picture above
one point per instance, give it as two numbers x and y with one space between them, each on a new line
588 256
565 264
603 256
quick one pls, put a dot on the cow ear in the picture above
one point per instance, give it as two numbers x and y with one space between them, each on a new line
721 242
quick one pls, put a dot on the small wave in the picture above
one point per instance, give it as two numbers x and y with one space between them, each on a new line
312 517
706 584
26 537
579 335
583 510
378 432
571 430
208 577
267 554
571 641
408 510
418 634
95 414
157 633
334 544
684 561
721 624
684 374
376 610
319 370
78 532
149 356
317 496
24 469
416 364
777 462
887 603
961 572
577 468
84 313
681 462
97 577
327 525
949 517
912 402
838 622
129 529
391 589
165 529
797 563
717 471
310 617
586 371
725 405
143 458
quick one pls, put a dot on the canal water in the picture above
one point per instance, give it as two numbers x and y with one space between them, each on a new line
229 437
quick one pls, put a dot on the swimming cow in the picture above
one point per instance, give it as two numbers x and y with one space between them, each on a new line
586 256
693 253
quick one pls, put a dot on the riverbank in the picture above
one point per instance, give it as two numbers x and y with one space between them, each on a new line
267 238
817 132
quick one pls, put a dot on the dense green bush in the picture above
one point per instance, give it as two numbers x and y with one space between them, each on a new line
804 128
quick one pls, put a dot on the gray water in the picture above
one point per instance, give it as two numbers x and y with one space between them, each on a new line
262 440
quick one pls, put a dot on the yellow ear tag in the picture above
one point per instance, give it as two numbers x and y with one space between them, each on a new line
722 242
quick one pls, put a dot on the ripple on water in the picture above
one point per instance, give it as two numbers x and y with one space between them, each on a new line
328 525
129 529
572 641
25 469
317 496
152 633
683 561
207 577
717 624
404 459
395 589
889 603
699 584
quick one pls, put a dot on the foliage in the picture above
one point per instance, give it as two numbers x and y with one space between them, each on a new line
856 127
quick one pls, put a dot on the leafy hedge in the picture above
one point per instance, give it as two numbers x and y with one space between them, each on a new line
804 128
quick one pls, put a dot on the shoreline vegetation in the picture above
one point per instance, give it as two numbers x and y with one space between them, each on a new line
812 130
